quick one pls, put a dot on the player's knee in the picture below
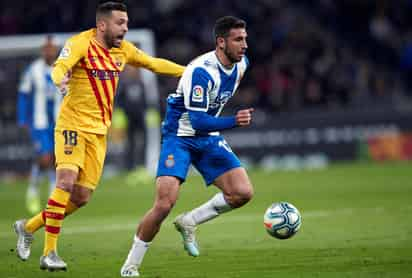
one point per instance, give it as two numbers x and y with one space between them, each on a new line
65 179
242 196
80 195
65 182
80 200
163 207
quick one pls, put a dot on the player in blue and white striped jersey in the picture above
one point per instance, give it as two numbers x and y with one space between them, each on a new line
37 108
191 136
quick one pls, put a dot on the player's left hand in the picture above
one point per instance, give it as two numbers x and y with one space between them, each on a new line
244 117
64 84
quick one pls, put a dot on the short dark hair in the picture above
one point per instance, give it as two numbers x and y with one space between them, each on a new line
224 24
106 8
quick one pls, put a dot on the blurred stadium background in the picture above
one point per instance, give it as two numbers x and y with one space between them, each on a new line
331 82
330 79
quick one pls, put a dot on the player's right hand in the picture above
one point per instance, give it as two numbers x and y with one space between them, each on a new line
244 117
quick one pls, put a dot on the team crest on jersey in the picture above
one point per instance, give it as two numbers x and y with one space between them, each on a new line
170 161
197 94
118 61
68 149
65 52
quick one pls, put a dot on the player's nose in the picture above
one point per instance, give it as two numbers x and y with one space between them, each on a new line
244 45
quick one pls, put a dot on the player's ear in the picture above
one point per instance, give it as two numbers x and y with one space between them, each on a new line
221 42
101 24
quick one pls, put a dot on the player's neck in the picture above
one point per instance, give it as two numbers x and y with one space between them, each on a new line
100 40
223 60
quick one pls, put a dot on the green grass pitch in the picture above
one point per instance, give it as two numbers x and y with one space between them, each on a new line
356 223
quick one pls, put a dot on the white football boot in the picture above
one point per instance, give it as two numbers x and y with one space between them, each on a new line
52 262
129 271
187 231
24 240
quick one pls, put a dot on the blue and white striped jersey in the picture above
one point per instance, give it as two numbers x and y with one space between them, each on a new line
205 86
38 100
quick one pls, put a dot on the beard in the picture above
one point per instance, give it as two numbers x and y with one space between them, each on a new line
231 57
108 39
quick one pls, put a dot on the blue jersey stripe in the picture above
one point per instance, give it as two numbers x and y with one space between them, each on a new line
175 109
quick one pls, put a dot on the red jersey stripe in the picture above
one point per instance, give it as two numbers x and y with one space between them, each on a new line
95 89
112 79
105 89
106 52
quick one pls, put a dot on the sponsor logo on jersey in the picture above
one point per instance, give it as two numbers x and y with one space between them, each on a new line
104 74
197 94
223 97
170 161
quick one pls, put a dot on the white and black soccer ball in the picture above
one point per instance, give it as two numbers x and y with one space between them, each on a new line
282 220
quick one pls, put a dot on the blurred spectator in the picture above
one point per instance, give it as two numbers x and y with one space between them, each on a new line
131 98
318 53
38 104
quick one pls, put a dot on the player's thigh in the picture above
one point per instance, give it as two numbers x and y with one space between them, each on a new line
235 182
95 153
167 190
66 178
174 159
70 148
216 158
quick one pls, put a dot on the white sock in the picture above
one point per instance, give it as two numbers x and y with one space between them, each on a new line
137 252
209 210
52 180
34 180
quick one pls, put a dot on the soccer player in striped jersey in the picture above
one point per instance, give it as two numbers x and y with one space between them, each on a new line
37 108
87 72
191 136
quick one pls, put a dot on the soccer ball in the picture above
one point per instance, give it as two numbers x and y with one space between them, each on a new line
282 220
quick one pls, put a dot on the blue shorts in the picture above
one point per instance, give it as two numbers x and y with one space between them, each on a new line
210 155
43 140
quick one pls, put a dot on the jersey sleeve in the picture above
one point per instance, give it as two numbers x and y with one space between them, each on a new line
74 50
26 82
139 58
196 90
204 122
